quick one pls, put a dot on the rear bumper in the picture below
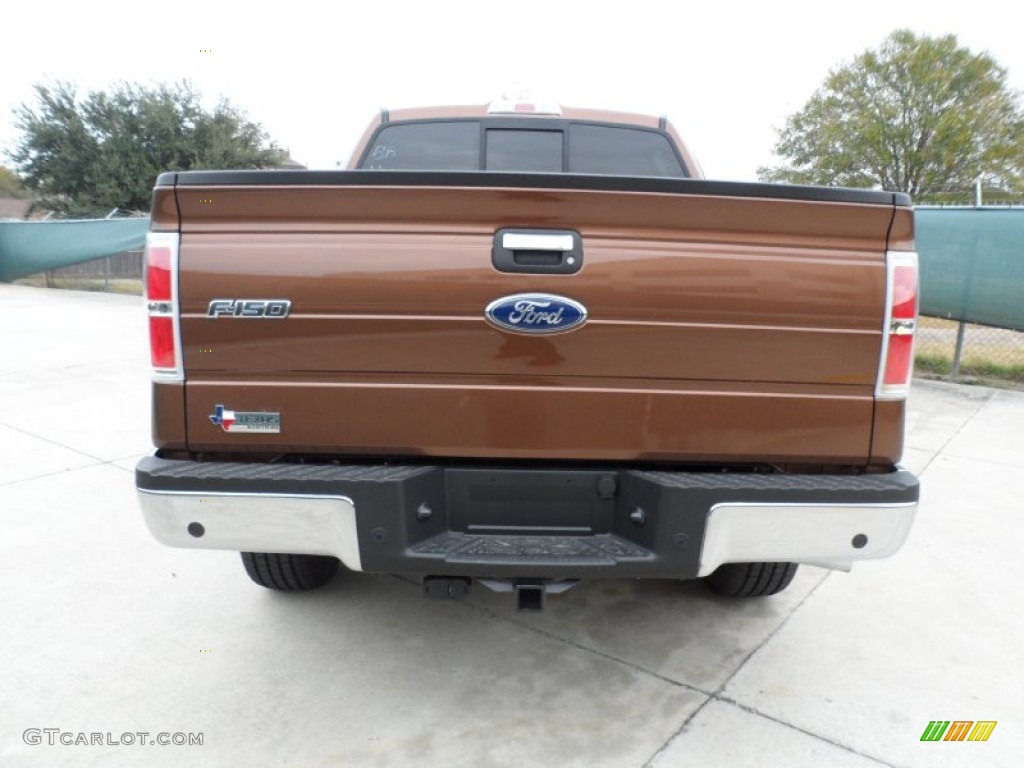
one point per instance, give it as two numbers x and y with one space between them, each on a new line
555 523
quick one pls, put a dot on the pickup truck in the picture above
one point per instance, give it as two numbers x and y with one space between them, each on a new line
527 346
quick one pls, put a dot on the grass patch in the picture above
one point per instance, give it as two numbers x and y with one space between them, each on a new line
935 365
986 369
973 370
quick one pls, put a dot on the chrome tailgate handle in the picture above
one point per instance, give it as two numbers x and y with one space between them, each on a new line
537 251
536 241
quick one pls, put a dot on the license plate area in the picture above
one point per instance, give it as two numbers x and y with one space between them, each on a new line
514 501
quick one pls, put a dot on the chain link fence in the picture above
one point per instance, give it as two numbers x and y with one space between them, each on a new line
967 352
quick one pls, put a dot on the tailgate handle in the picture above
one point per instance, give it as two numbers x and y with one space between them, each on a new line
537 251
535 241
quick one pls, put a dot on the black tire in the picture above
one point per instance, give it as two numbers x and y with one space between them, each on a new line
289 573
751 579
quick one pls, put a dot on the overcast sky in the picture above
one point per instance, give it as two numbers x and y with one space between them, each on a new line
726 73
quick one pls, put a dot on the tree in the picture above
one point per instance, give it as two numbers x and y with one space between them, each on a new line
919 114
104 151
10 184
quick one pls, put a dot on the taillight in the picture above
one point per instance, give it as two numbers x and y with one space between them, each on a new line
161 344
897 362
158 273
161 264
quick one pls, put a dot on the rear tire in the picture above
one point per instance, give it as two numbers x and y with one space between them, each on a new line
289 573
751 579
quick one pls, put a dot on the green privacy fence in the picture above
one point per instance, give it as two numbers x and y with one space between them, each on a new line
28 247
972 264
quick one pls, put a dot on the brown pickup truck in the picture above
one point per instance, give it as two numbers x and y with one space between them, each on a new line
528 347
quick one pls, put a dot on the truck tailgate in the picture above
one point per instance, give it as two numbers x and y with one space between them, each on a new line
724 324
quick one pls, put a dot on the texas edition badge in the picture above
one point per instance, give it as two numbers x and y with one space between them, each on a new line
245 421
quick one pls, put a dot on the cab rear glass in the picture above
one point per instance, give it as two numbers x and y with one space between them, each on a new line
620 152
453 146
555 146
526 151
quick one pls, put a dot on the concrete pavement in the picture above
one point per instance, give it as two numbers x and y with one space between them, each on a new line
105 631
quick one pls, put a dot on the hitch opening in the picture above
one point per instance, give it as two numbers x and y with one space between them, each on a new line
530 594
530 597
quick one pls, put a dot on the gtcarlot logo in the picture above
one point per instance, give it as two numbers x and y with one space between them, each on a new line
960 730
56 737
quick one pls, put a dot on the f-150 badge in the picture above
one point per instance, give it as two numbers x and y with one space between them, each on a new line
269 308
245 421
535 313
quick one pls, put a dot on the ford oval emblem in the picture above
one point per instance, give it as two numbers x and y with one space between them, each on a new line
535 313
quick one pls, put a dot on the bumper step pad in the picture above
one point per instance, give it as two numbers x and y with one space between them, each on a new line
531 550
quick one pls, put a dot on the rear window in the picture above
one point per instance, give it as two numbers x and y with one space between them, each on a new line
588 148
517 150
620 152
453 146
